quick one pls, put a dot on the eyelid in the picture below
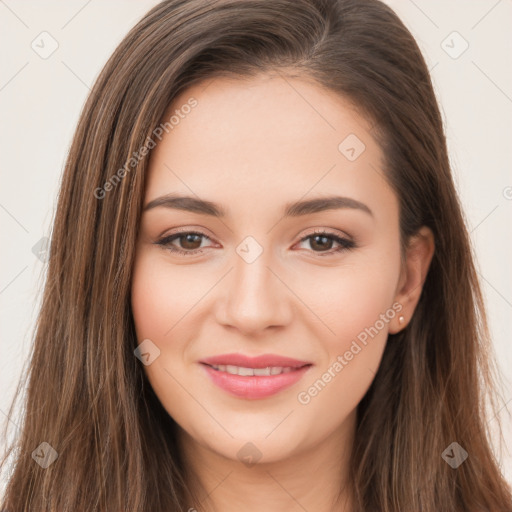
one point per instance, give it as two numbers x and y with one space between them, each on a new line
188 229
328 231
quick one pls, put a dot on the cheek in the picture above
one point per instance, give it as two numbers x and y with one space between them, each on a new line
358 308
362 304
353 300
158 300
162 294
165 301
149 302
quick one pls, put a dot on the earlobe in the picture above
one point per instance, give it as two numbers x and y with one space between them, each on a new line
419 254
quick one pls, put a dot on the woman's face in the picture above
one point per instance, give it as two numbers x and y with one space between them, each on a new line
255 279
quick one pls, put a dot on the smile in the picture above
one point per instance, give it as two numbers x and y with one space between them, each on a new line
254 383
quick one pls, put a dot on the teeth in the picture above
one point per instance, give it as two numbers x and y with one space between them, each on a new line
262 371
250 372
246 372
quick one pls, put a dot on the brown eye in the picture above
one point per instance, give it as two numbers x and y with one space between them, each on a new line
187 242
322 243
190 241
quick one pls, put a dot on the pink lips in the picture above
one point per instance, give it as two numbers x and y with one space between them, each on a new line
254 386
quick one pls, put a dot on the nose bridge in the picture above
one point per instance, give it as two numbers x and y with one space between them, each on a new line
255 297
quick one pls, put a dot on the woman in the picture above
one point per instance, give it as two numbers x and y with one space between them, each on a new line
260 292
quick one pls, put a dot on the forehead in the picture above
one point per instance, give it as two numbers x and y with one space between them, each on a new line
263 138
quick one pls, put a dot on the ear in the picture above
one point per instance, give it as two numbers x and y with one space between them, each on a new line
418 257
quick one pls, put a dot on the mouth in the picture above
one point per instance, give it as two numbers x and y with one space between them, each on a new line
254 378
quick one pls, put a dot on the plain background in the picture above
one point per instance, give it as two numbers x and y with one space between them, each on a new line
467 46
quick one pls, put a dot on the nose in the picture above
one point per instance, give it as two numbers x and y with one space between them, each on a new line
254 296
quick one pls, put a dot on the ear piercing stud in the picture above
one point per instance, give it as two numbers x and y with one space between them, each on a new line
401 319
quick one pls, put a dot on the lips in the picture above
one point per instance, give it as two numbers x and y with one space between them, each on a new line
254 377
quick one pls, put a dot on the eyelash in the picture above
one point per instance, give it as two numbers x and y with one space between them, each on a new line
345 243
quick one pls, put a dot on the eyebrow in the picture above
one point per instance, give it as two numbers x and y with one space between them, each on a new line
296 209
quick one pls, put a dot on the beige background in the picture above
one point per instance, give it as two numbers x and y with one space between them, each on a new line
41 96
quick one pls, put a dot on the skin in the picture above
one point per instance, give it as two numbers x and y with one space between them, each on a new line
252 146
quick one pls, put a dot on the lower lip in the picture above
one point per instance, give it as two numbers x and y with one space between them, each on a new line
254 387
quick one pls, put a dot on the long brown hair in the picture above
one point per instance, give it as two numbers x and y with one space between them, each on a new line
87 395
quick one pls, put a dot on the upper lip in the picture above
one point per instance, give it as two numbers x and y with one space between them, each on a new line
262 361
